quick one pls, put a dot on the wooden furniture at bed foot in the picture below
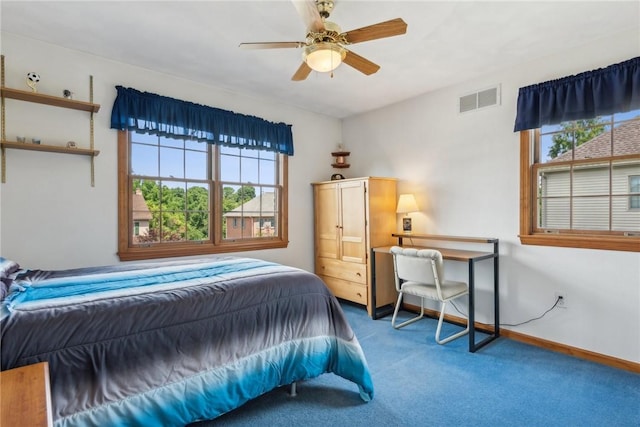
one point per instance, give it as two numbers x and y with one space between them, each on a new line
25 399
352 216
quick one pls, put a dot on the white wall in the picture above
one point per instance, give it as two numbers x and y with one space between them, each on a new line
51 217
464 171
462 168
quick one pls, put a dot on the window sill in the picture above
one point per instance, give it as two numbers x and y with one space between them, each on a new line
144 253
613 243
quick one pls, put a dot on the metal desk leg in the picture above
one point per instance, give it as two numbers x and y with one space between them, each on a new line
496 293
374 314
471 317
473 347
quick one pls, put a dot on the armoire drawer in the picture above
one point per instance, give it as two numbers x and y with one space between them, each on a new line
349 271
346 290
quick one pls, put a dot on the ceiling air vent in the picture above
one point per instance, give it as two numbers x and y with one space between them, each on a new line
481 99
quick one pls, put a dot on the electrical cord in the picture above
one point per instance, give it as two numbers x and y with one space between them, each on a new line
516 324
535 318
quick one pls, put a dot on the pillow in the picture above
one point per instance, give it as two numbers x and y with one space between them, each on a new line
7 267
4 288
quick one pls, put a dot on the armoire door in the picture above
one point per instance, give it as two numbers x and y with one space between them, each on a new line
353 226
327 221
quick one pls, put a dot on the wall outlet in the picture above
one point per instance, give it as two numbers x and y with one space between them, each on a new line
561 297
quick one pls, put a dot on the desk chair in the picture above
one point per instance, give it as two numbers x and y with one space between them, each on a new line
420 272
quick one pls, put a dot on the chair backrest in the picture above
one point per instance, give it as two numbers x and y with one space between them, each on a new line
417 265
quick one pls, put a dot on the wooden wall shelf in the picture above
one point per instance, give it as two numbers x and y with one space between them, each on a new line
55 101
340 159
48 148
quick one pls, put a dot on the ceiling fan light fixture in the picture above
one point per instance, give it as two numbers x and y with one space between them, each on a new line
324 57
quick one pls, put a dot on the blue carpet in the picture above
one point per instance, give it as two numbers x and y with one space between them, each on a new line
418 382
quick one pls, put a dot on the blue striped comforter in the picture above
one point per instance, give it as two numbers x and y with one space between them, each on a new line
175 342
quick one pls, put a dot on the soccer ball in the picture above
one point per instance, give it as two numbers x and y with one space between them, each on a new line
32 80
33 77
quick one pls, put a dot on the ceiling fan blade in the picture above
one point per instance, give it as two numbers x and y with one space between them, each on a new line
270 45
302 73
308 11
359 63
394 27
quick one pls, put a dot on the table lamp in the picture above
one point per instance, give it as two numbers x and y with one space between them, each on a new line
407 204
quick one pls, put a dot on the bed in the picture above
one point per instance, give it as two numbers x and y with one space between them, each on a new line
174 342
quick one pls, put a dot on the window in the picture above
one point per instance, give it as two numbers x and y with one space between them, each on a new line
634 190
580 183
193 195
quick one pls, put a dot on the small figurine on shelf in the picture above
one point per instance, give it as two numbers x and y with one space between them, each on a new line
71 144
67 94
32 80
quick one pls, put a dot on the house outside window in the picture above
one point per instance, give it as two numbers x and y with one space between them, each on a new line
140 215
258 217
187 188
579 182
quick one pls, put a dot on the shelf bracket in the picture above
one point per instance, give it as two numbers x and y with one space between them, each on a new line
93 179
3 135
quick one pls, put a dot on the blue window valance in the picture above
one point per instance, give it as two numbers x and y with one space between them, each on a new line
614 89
161 115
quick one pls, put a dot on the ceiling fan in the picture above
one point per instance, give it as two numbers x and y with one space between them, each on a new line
324 47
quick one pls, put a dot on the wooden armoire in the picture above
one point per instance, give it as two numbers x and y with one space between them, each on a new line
351 217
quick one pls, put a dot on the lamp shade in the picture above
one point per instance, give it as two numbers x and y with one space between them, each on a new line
324 57
407 203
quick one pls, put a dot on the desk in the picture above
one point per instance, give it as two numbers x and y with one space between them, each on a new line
25 397
470 257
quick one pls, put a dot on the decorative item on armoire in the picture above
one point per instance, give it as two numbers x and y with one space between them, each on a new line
406 205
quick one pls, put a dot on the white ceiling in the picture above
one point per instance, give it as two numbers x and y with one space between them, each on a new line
447 42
